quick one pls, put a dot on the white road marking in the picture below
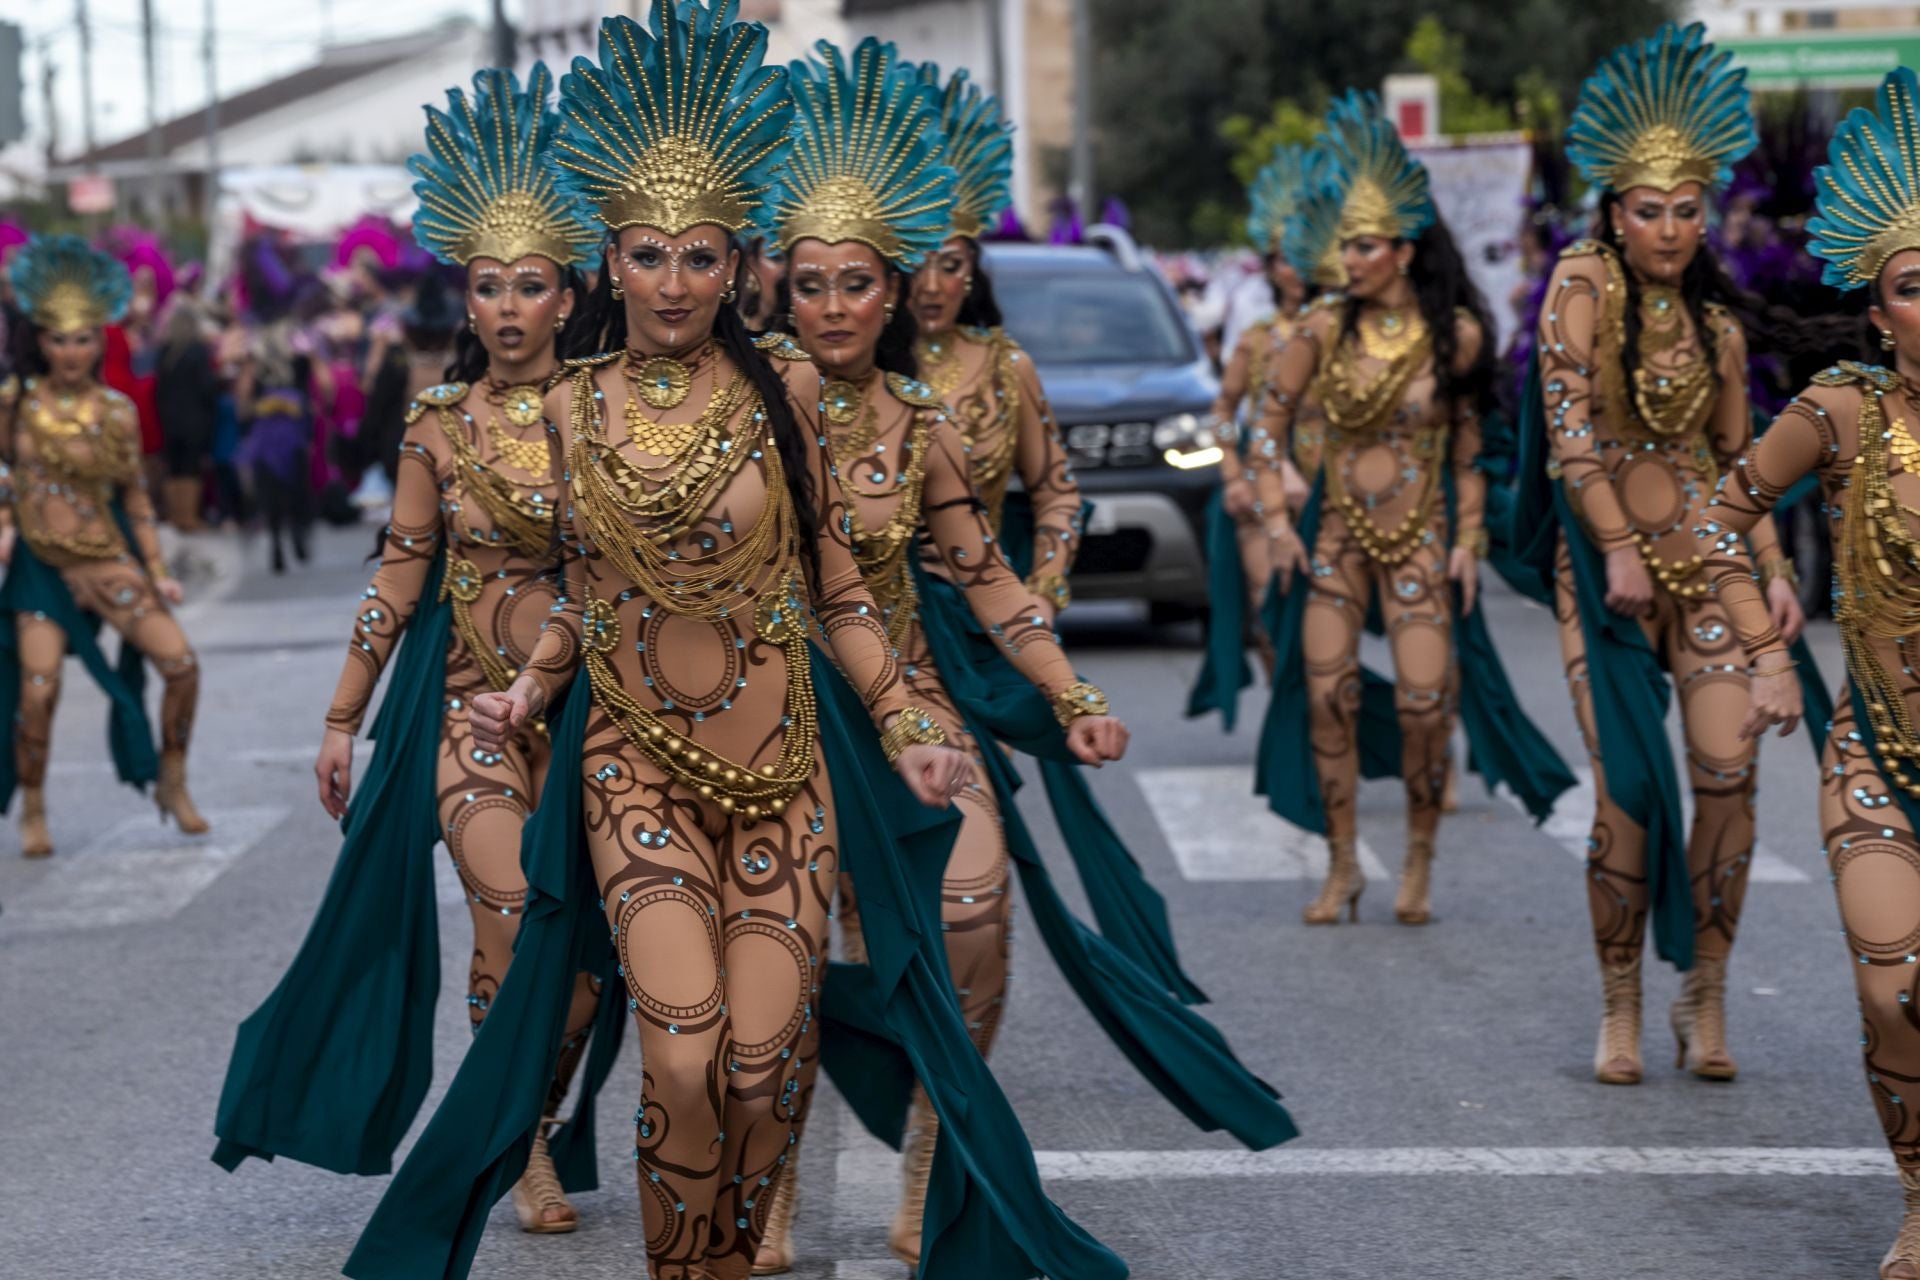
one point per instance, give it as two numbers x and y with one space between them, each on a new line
136 872
860 1170
869 1269
1572 822
1219 830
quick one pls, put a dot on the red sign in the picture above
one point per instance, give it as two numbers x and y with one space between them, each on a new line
92 193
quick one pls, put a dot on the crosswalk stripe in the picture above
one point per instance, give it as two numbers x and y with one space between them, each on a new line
1219 830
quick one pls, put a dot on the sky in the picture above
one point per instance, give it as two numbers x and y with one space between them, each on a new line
256 41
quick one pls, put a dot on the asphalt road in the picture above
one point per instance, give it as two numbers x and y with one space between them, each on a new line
1441 1076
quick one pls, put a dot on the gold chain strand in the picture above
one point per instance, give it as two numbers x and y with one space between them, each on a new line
522 407
1666 406
1392 336
525 523
664 383
461 588
1358 410
851 412
882 554
940 366
71 441
988 417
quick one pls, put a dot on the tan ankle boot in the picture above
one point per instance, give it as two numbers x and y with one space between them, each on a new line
170 794
775 1255
538 1191
1699 1019
34 840
1903 1259
1616 1060
916 1170
183 504
1342 890
1416 882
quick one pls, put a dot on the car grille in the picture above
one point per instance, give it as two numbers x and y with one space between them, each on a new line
1121 444
1122 551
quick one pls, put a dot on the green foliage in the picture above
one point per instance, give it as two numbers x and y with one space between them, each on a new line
1441 54
1188 95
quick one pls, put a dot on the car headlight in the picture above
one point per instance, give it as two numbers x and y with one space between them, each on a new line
1176 432
1186 441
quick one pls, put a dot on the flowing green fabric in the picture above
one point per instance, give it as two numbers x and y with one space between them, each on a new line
1178 1052
33 586
987 1214
332 1067
1224 669
973 668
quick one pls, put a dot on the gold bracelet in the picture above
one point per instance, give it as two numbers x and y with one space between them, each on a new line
914 728
157 569
1079 699
1477 541
1772 671
1781 568
1053 588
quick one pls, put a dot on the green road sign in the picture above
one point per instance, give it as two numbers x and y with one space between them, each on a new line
1843 60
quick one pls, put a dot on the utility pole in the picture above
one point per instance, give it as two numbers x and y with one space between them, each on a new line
86 72
1080 183
503 52
210 186
156 162
997 48
48 71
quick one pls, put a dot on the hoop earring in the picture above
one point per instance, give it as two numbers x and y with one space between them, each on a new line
559 324
889 310
1886 340
613 283
473 326
731 293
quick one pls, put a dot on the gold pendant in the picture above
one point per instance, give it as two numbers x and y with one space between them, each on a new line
661 382
1392 335
841 401
464 581
522 405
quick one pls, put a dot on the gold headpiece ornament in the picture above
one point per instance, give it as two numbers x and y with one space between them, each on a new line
1383 190
1868 201
865 162
67 286
485 190
1660 112
979 146
679 126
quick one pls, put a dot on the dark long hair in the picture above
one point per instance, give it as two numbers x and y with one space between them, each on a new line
1443 288
578 339
27 358
1771 329
607 316
979 308
895 353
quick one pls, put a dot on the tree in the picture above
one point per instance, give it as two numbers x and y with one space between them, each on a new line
1185 95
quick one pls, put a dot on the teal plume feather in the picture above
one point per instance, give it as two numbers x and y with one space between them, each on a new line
58 272
1660 111
1381 184
979 147
1867 206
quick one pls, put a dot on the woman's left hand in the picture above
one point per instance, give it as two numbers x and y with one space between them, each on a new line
1775 699
935 775
1095 740
1783 602
1464 568
169 589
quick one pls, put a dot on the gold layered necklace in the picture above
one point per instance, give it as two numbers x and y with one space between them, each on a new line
940 364
71 440
664 383
882 553
855 421
1668 406
522 407
1879 571
1359 408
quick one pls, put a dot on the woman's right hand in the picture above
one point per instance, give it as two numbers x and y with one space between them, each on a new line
1237 496
496 717
333 770
1629 585
1285 552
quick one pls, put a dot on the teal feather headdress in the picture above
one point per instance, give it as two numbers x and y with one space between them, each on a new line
1662 111
485 190
1276 192
68 286
979 147
1868 206
865 163
1383 190
677 126
1311 239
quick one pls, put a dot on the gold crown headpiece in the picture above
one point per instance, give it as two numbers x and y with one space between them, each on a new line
1662 111
66 285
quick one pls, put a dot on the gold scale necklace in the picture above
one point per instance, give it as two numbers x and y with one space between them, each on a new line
636 512
71 440
1358 408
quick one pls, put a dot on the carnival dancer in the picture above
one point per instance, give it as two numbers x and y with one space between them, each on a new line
77 532
1401 367
467 578
709 540
1642 403
865 199
977 369
1852 430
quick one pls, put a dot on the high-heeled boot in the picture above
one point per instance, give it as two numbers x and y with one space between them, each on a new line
1416 882
1616 1060
170 795
35 842
1699 1019
183 503
916 1170
1903 1259
1341 892
538 1191
775 1255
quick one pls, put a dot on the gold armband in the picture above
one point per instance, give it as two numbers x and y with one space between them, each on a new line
1780 569
1079 699
1053 588
914 728
1476 541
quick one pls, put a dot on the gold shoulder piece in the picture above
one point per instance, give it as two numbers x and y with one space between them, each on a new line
781 346
912 391
1585 249
1324 302
443 396
1850 373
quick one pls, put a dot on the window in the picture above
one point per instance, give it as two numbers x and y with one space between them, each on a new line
1091 317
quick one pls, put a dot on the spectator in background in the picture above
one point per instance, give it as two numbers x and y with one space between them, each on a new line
401 371
186 395
277 416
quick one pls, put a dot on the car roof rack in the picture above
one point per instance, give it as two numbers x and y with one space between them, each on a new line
1117 242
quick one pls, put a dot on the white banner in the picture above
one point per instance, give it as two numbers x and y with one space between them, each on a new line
1481 189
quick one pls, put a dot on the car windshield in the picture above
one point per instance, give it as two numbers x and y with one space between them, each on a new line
1091 317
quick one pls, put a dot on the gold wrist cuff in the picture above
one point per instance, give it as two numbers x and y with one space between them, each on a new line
1476 541
1782 569
914 728
1053 588
1079 699
1756 673
157 569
